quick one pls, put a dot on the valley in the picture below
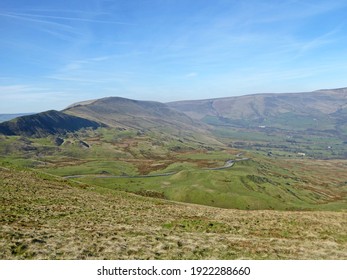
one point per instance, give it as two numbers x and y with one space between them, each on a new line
260 171
185 170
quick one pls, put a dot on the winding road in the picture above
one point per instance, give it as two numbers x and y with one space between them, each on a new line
228 164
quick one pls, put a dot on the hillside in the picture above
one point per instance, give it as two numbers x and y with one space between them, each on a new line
143 116
45 217
310 123
43 124
315 114
122 112
259 107
148 149
116 178
114 112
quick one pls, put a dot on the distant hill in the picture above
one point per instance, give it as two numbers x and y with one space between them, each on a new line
122 112
114 112
306 123
42 124
143 116
318 111
278 110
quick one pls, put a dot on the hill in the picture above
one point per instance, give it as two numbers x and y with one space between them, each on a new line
286 117
43 124
46 217
114 112
260 107
149 149
127 113
310 123
150 116
123 160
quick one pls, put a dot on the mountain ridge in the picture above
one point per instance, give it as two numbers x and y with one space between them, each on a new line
260 105
278 110
126 113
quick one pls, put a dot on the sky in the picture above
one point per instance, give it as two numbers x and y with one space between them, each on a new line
55 53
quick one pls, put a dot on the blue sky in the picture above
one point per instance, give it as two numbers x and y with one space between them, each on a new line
54 53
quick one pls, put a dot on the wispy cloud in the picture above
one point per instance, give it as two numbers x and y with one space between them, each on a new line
112 68
17 98
20 97
56 29
321 40
84 75
169 47
191 75
268 12
37 17
19 88
68 28
33 19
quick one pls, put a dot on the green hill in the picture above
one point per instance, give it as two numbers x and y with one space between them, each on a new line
46 217
142 178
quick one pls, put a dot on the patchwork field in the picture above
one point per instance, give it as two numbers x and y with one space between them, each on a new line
156 165
128 194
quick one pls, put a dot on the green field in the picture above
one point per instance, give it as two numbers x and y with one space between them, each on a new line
148 195
253 184
179 169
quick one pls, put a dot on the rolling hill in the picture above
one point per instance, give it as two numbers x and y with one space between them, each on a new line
127 113
122 179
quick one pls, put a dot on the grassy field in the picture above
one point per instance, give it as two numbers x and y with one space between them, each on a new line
300 202
318 136
281 181
253 184
287 143
46 217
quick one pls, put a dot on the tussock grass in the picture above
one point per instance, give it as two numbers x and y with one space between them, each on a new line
45 217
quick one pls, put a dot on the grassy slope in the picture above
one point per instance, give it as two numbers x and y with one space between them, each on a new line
255 184
45 217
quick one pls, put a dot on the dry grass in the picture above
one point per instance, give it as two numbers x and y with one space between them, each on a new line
43 217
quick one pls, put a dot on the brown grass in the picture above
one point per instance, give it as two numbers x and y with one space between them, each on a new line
43 217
